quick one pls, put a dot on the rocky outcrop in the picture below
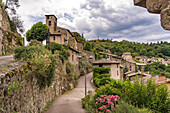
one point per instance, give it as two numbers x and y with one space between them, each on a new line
161 7
9 37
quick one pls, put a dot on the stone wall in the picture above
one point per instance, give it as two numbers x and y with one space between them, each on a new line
19 92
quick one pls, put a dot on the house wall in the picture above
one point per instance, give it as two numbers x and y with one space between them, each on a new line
73 58
130 65
115 71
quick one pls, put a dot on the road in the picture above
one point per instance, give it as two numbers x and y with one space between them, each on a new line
71 101
4 60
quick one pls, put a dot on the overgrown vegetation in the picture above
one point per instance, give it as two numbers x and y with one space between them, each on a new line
101 76
59 50
41 61
72 75
78 37
141 93
159 49
157 68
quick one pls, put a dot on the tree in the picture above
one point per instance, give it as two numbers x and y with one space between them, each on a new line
39 31
87 46
55 46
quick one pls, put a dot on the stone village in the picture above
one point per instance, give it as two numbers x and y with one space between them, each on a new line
28 98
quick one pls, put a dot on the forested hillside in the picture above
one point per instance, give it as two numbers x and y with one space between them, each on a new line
159 49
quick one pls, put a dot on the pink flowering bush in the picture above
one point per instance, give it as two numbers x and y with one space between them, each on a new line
106 104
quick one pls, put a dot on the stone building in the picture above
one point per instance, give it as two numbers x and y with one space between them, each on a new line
64 37
142 59
58 34
116 70
140 75
73 58
111 56
130 65
127 56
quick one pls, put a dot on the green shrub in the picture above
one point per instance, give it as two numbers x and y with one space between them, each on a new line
101 70
42 63
72 75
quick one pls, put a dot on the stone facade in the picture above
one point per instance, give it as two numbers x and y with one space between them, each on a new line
142 59
161 7
130 65
127 56
20 93
60 35
73 58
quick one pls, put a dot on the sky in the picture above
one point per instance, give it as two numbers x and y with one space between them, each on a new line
107 19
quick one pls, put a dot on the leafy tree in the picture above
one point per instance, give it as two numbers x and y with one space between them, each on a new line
87 46
79 38
55 46
39 31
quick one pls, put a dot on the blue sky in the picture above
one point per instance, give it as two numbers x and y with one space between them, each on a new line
113 19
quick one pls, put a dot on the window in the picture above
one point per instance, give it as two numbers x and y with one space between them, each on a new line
117 73
54 38
47 17
100 65
49 23
72 57
130 68
117 65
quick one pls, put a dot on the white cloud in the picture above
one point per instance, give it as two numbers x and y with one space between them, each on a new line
117 19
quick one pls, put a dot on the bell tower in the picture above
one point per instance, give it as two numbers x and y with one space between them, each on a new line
51 22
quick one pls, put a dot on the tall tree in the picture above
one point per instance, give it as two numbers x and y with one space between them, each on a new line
39 31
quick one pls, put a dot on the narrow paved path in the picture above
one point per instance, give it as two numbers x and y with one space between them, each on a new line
71 101
4 60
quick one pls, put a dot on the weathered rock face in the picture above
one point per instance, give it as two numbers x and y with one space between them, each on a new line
158 7
8 39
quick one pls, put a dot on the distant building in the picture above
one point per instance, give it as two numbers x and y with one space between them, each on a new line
168 61
116 70
130 65
142 59
153 59
127 56
111 56
140 75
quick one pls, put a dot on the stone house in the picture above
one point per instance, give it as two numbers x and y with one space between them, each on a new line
130 65
111 56
127 56
142 59
58 34
153 59
73 58
63 36
168 61
140 75
116 70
